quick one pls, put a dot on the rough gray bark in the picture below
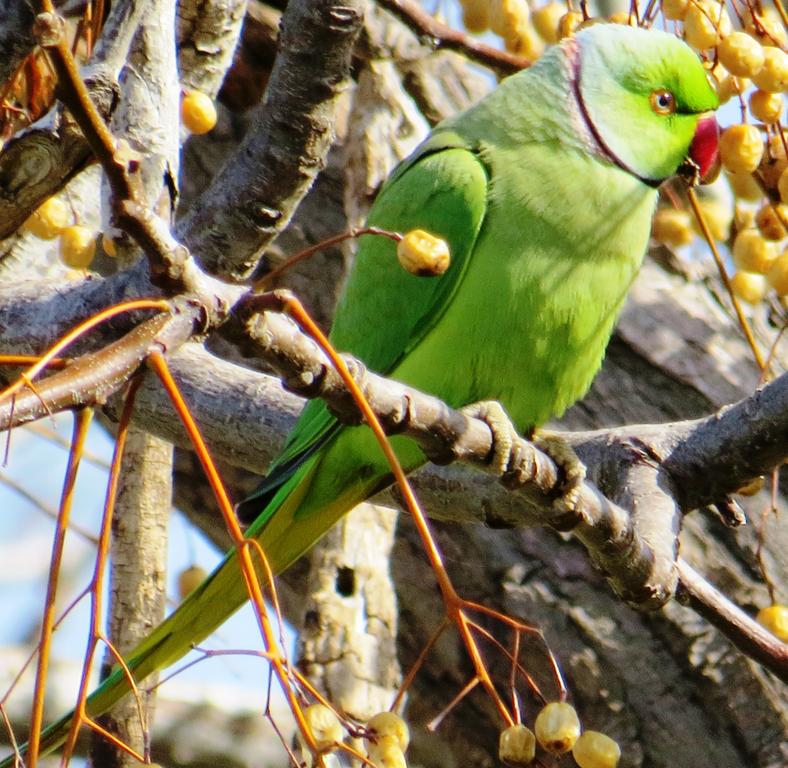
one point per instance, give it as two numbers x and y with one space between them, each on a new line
284 149
207 36
148 118
138 580
347 640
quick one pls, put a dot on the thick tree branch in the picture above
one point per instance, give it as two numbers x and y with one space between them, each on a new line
744 632
624 546
37 162
148 116
137 582
93 378
253 197
207 37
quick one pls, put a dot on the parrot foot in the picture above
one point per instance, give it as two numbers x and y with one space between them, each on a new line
504 434
572 469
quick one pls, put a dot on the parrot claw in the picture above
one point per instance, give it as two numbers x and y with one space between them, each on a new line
504 434
572 469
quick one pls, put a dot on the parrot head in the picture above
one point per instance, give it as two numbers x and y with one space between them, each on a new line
647 102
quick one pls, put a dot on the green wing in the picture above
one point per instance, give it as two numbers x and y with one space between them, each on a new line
385 311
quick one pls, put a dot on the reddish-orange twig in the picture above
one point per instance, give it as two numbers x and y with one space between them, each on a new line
455 605
82 421
159 366
75 333
745 326
80 713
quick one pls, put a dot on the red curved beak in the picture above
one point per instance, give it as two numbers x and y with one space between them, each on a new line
704 150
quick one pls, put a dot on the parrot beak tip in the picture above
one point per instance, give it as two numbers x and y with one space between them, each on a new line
704 156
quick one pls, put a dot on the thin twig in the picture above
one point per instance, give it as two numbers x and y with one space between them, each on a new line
82 419
743 323
441 35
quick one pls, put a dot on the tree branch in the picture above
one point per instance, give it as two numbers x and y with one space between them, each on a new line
440 35
207 38
254 195
625 547
36 163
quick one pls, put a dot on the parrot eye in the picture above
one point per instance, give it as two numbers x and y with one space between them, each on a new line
663 102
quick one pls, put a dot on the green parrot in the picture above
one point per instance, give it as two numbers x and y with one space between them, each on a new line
544 191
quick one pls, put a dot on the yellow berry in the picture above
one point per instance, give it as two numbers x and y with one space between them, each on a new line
592 21
324 726
389 724
741 54
189 579
778 275
672 227
525 43
741 148
476 16
706 24
769 29
749 287
77 247
546 20
622 17
675 10
752 253
766 106
770 221
744 186
198 112
517 745
386 753
775 619
596 750
49 219
423 254
782 186
568 24
773 75
506 16
557 727
730 86
718 218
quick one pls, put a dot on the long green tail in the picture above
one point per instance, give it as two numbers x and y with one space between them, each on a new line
203 611
306 505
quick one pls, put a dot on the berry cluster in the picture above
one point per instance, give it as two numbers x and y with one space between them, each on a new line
77 243
386 736
557 731
51 220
